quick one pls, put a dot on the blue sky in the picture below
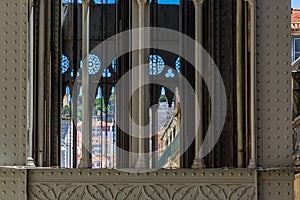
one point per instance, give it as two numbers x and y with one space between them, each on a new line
172 1
295 3
113 1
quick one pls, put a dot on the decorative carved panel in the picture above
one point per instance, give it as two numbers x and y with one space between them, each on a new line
60 191
160 185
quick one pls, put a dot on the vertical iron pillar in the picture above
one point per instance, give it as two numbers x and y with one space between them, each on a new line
239 83
141 162
198 162
29 159
252 162
85 161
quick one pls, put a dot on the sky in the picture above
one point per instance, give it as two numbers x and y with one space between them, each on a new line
172 1
113 1
295 3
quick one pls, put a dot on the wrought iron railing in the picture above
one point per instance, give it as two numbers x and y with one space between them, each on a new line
170 150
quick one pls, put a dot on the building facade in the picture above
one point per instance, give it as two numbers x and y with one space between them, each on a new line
295 22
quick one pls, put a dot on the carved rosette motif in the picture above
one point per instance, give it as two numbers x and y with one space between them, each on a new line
102 191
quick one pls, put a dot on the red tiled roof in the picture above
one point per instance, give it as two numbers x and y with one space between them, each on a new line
295 20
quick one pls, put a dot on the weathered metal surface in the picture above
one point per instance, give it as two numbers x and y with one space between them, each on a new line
274 115
13 184
163 184
13 76
276 184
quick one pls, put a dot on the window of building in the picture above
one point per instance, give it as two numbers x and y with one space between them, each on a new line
296 45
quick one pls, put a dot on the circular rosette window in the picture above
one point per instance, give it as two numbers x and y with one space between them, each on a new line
93 63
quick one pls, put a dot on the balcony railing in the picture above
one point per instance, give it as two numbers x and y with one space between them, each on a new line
170 150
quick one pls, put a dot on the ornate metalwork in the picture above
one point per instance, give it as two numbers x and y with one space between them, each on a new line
65 63
178 65
94 64
157 64
50 191
161 185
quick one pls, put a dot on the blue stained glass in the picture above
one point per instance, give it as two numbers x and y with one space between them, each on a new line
106 73
114 65
177 65
72 73
65 63
170 74
157 64
94 64
67 90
